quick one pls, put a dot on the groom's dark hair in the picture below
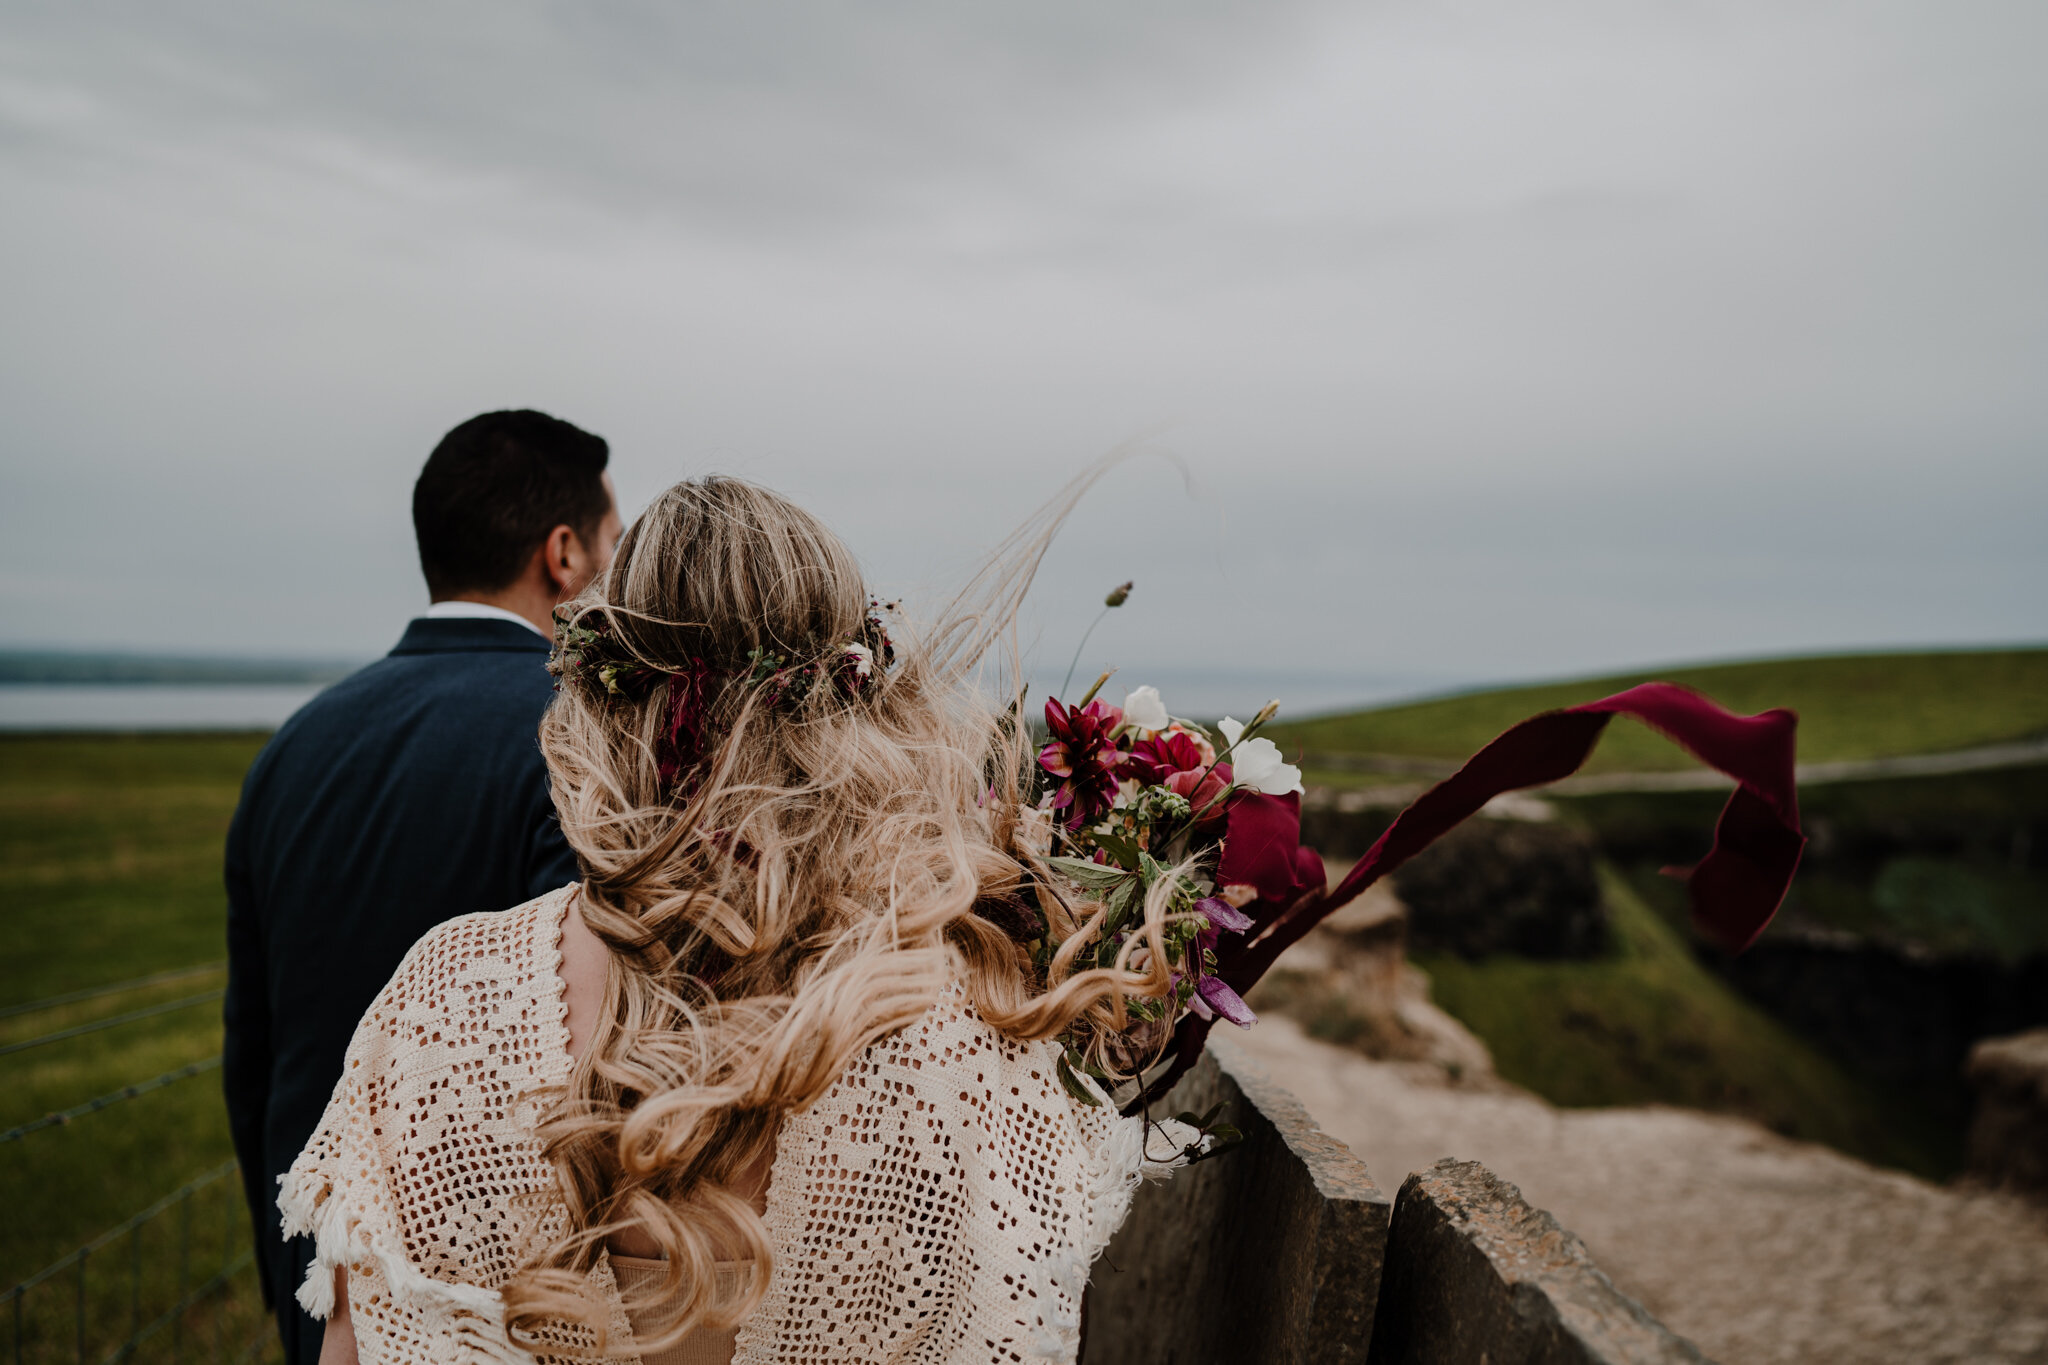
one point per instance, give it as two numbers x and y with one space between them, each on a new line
495 487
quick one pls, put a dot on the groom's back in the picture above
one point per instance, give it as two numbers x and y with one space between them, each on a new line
410 793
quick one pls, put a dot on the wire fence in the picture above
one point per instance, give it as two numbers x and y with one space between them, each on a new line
117 988
80 1030
93 1106
176 1281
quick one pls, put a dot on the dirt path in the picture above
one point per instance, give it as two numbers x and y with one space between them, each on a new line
1757 1248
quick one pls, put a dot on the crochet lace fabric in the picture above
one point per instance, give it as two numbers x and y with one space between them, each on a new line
941 1202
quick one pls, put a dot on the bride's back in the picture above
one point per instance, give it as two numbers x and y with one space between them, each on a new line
778 823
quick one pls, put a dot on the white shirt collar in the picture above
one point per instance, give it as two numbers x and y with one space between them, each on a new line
479 611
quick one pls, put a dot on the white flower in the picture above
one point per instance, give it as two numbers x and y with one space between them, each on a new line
861 659
1143 710
1256 763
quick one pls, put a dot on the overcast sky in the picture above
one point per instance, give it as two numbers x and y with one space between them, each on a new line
1497 340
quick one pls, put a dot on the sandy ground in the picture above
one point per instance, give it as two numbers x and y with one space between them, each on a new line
1755 1247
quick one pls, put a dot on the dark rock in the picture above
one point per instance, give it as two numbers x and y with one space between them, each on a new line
1338 828
1904 1018
2009 1134
1475 1274
1505 886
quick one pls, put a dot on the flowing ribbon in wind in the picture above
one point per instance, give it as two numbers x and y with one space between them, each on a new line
1735 889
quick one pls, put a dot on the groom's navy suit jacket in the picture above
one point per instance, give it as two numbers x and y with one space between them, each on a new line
405 795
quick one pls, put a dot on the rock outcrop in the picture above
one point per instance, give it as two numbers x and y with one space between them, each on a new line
2009 1134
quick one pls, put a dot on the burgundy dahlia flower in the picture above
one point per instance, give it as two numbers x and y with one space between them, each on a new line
1084 757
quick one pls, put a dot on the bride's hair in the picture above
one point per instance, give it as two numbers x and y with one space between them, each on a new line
801 882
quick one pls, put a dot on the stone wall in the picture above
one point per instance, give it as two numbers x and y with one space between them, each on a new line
1473 1273
1268 1253
1286 1252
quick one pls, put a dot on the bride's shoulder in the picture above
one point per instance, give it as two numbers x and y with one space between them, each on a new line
507 952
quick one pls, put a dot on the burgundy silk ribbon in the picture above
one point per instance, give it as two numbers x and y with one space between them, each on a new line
1735 889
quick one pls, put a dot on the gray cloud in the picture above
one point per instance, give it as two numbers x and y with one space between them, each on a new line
1499 341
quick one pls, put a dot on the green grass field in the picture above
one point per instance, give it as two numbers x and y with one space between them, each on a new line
1850 706
111 868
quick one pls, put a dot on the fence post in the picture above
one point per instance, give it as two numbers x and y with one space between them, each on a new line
184 1276
81 1307
134 1282
227 1252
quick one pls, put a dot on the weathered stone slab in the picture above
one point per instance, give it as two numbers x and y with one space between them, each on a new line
1475 1274
1269 1253
2009 1133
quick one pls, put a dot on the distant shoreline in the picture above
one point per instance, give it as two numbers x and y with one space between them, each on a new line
149 708
50 667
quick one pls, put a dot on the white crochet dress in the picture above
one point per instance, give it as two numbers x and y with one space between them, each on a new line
942 1202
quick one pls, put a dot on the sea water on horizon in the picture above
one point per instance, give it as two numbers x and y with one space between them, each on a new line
150 706
1206 694
1199 693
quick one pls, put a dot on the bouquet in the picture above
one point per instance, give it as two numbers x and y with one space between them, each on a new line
1168 834
1172 850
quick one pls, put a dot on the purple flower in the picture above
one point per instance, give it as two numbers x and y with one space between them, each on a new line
1223 914
1212 997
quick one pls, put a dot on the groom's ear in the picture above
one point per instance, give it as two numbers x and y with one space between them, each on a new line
571 558
564 559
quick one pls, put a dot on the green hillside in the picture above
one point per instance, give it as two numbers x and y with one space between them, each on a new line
1850 707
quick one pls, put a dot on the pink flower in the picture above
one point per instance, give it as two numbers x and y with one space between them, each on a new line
1202 792
1152 761
1084 757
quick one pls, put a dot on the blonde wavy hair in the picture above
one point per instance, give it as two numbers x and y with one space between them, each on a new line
809 888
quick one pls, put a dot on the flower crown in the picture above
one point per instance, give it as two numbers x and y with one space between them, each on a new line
590 656
587 653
